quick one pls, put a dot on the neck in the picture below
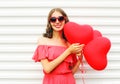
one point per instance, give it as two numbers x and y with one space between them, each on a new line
57 35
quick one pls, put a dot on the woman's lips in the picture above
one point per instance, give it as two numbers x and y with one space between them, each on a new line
58 26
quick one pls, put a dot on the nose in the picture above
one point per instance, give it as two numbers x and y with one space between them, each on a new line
57 21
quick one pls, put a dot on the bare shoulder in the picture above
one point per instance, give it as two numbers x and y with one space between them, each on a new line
42 40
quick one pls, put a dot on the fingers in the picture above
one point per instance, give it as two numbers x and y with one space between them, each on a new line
76 48
79 50
78 54
79 47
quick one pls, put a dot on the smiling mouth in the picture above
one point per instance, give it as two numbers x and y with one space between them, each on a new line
58 26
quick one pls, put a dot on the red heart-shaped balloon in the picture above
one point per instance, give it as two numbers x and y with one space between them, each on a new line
95 52
96 34
76 33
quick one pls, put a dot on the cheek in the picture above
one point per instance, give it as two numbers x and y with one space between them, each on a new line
63 23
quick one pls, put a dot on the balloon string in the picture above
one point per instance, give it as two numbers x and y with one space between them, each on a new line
82 71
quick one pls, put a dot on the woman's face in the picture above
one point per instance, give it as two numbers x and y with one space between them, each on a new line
57 21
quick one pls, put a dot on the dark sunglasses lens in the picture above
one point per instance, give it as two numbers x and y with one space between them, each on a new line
61 18
53 19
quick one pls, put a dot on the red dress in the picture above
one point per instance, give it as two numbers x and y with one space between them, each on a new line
62 74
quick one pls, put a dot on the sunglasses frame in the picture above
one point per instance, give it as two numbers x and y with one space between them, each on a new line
57 18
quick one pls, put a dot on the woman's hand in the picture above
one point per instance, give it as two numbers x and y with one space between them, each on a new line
76 48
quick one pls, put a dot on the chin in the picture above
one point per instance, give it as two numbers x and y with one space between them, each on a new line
58 29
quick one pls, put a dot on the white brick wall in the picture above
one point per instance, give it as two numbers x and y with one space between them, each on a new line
23 21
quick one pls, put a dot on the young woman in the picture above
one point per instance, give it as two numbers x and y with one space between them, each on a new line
57 56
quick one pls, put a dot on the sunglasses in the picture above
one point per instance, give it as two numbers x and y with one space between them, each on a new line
54 19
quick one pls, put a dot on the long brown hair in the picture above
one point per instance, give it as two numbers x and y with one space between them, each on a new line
49 29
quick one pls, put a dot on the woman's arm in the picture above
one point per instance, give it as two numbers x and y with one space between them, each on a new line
49 66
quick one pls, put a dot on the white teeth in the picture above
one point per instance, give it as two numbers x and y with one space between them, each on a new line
57 26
